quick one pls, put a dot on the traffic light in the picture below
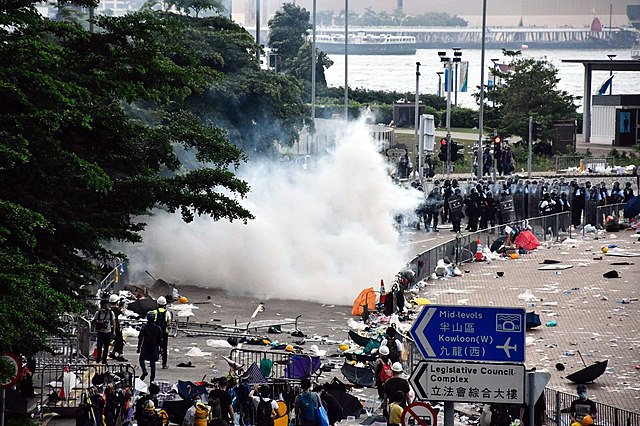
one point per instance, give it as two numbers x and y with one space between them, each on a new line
455 155
443 150
497 139
536 130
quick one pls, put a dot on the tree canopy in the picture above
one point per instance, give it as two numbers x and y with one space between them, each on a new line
100 128
287 33
528 88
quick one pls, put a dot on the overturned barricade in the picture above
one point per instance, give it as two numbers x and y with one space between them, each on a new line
273 364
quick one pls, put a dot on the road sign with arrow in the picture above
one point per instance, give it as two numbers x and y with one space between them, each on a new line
467 333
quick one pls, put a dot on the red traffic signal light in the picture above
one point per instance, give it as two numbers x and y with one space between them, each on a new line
443 141
497 139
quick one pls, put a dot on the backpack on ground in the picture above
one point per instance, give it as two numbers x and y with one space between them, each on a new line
309 411
264 413
385 372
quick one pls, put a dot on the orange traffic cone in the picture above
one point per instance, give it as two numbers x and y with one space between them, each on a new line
383 292
479 254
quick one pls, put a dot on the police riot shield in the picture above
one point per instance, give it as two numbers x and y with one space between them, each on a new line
533 201
506 209
455 204
518 201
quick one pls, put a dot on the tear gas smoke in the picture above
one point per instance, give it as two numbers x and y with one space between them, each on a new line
320 234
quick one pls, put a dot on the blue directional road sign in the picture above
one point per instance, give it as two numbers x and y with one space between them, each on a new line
467 333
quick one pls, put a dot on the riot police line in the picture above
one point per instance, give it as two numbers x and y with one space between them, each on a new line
486 203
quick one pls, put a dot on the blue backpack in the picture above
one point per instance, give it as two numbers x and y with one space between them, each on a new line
309 411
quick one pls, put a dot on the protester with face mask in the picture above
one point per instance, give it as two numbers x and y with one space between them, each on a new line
582 410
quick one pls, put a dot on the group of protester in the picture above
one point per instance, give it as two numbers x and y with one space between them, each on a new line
487 203
152 339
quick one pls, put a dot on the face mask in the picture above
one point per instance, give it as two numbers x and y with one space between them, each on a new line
582 395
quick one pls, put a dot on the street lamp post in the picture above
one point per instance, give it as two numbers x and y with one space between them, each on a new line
448 62
457 54
417 121
439 83
611 56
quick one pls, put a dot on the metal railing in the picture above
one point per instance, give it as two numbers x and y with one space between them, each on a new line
602 212
280 360
582 163
60 351
64 387
462 248
557 405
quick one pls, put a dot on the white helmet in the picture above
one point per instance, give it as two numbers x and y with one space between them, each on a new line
384 350
161 301
113 298
396 367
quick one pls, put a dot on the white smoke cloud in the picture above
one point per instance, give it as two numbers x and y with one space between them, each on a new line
321 234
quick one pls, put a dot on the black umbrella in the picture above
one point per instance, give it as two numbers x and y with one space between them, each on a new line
142 306
358 339
351 406
590 373
357 375
632 207
498 243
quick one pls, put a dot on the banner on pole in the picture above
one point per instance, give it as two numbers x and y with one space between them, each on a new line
463 74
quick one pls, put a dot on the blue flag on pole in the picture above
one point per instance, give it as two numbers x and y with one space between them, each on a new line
605 86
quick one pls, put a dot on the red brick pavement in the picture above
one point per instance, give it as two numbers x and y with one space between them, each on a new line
590 318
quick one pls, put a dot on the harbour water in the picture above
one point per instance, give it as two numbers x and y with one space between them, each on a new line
398 73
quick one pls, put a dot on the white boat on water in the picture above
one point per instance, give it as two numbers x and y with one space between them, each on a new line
367 44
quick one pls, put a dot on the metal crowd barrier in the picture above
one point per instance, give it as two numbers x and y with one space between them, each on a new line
557 405
582 163
61 351
279 360
63 386
602 212
462 248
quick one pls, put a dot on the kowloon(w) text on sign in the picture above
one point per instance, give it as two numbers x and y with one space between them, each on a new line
469 382
470 333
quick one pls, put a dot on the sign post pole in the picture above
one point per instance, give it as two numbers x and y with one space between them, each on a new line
2 412
448 414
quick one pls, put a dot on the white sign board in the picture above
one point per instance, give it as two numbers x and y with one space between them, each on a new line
427 132
473 382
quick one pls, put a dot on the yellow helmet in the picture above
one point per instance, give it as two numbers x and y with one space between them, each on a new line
289 348
148 406
183 300
587 420
343 347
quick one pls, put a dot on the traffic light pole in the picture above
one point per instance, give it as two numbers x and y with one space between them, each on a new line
530 147
449 82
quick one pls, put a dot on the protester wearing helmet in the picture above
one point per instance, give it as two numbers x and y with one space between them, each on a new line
149 343
582 410
152 396
382 371
104 322
162 317
149 416
396 383
118 339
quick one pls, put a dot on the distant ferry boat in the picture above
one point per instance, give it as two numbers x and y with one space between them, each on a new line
367 44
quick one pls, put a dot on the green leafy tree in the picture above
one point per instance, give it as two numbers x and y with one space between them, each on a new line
529 89
287 33
256 107
197 6
301 68
80 169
